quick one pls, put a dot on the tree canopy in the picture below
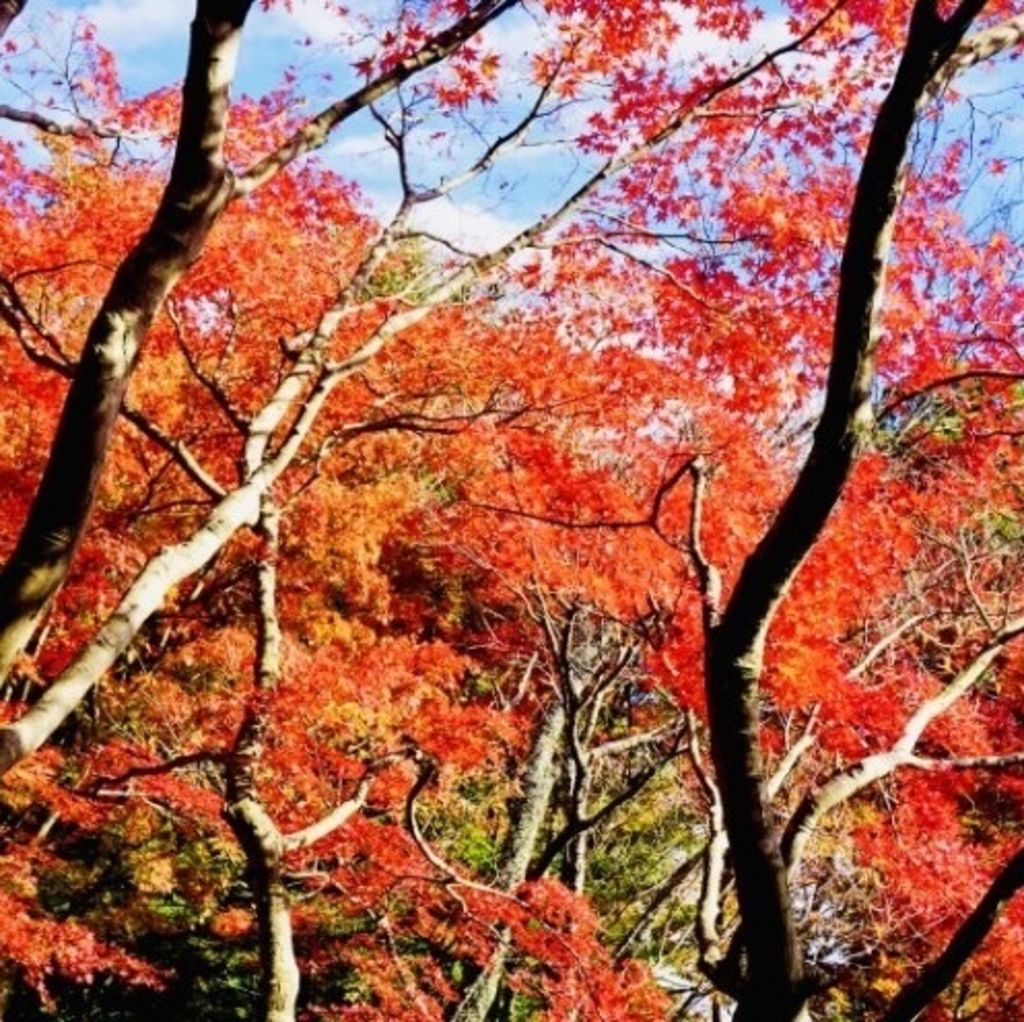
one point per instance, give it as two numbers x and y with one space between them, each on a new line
565 564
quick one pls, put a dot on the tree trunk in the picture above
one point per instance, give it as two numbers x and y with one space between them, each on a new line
279 971
259 836
774 987
478 1000
9 10
197 191
774 958
538 786
578 783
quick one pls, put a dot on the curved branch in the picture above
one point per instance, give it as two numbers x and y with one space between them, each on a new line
97 784
83 129
314 133
15 314
452 876
1008 375
776 972
336 818
846 783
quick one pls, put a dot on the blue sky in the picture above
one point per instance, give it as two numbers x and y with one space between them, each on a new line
149 38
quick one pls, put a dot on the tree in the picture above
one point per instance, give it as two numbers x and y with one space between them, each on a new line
198 190
606 622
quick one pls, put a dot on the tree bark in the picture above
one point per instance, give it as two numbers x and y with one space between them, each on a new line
197 191
172 565
264 852
538 787
775 987
9 10
259 836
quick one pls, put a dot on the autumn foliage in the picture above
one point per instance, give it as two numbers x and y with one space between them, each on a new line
403 633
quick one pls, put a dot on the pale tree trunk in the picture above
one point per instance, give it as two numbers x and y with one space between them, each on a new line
528 822
774 985
197 191
261 840
265 847
574 871
574 858
264 851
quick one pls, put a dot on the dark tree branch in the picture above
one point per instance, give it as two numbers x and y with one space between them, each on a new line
84 128
315 132
98 785
9 10
943 969
14 313
196 193
969 375
633 786
679 876
776 980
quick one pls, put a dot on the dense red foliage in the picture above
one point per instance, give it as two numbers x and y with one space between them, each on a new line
514 464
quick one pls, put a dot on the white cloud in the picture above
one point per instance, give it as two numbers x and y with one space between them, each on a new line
131 25
694 44
466 225
517 36
369 144
318 20
128 25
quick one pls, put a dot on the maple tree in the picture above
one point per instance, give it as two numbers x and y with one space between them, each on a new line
618 620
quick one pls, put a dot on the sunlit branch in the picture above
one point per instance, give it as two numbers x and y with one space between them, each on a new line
315 132
885 643
851 780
